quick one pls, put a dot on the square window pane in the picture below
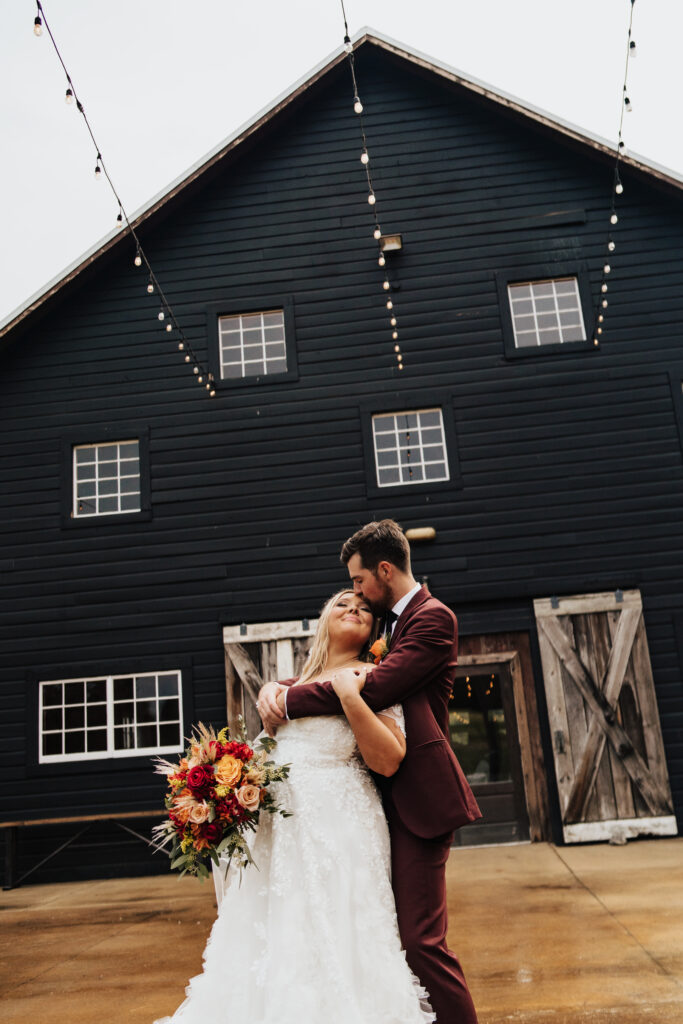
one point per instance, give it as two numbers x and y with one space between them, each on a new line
86 490
388 476
107 471
84 455
97 740
542 289
433 453
431 418
52 694
406 421
124 714
545 305
52 744
412 474
130 484
86 472
145 686
231 371
431 436
436 471
146 736
546 320
97 715
130 502
129 450
521 291
169 710
274 319
387 458
168 685
146 711
276 366
570 319
74 742
574 333
529 340
124 738
522 306
109 487
169 735
383 441
74 718
123 689
96 690
73 693
550 337
108 505
525 323
131 467
568 286
52 718
567 302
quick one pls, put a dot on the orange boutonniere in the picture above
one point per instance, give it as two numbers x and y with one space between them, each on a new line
380 648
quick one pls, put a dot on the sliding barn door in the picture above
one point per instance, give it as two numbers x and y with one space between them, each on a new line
607 741
257 654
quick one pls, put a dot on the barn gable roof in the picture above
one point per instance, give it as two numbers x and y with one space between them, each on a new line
252 128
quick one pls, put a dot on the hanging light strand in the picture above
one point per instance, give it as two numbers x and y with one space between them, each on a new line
617 190
165 314
372 196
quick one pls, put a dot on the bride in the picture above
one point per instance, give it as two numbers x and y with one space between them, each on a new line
311 937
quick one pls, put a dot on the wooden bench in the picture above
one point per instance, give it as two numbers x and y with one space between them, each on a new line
11 827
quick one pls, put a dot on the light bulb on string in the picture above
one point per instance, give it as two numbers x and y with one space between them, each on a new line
212 394
601 319
607 269
394 335
390 304
614 219
169 327
397 348
138 259
348 45
187 358
611 245
98 172
161 315
604 303
150 288
603 287
364 158
628 105
195 369
372 199
381 261
393 321
377 234
119 219
37 26
69 96
200 379
632 52
619 188
386 285
208 386
357 105
181 345
599 331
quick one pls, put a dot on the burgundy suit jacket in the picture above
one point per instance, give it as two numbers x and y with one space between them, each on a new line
429 791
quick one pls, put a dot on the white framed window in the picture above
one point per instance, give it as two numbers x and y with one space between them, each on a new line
546 312
110 716
410 447
252 344
106 478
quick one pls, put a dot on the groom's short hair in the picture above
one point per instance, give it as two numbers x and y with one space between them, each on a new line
384 541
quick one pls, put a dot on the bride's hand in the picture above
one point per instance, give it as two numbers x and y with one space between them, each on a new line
349 681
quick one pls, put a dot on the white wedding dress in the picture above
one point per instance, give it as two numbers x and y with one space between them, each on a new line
311 936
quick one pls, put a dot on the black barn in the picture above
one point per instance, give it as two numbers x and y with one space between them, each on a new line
160 548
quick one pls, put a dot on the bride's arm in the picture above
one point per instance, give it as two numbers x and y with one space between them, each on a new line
380 741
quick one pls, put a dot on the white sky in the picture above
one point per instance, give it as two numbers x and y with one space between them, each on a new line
164 81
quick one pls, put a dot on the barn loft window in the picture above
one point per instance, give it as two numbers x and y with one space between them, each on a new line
410 447
111 716
252 344
546 312
106 478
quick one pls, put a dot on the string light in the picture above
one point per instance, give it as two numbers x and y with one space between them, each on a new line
122 220
365 161
617 184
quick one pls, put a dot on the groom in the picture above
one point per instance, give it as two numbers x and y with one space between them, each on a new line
429 796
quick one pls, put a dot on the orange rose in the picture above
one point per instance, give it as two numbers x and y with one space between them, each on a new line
249 797
228 770
379 650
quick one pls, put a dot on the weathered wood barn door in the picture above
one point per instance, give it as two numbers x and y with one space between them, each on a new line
607 741
259 653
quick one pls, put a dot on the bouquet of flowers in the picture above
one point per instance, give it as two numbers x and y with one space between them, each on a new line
215 795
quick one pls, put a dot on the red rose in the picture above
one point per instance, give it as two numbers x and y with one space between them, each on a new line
213 832
200 779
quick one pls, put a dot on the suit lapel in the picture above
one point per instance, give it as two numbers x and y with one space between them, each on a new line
408 613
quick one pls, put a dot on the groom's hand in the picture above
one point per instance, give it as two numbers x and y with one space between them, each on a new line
269 708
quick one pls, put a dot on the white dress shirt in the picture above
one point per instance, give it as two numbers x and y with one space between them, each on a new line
402 604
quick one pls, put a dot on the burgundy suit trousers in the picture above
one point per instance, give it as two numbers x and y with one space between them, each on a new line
419 880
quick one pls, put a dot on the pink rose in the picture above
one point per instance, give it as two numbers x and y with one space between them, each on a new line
199 813
249 796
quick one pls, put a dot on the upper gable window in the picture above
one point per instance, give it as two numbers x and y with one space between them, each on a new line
410 447
106 478
252 344
546 312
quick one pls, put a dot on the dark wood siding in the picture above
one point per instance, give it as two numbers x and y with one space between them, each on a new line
571 467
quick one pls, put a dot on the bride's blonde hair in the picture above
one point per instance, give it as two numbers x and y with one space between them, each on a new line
317 656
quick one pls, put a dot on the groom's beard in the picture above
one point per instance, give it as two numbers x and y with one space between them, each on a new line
381 604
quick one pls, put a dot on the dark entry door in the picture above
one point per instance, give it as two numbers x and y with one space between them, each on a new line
484 737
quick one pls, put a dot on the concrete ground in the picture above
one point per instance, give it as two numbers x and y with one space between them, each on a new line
547 936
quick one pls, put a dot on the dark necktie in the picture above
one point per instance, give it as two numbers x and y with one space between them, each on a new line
389 620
